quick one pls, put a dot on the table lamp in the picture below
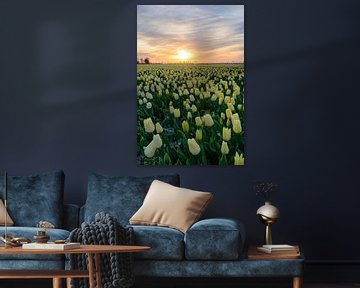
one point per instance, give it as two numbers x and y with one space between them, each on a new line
268 214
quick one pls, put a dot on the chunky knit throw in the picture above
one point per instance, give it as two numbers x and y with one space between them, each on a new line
116 268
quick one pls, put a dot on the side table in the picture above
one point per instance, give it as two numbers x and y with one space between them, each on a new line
288 259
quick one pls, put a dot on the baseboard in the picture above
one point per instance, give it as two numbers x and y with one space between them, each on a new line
332 271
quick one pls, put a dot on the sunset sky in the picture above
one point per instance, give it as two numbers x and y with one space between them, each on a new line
190 33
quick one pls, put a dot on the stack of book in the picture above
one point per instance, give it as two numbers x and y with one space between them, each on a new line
282 251
279 249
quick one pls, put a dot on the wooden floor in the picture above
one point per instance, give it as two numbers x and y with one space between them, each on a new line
45 283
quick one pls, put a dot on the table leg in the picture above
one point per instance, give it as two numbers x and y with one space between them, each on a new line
68 282
297 282
91 270
98 270
57 283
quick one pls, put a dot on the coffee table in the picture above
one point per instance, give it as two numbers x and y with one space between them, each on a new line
94 267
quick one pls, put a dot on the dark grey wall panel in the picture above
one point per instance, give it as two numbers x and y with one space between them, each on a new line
67 100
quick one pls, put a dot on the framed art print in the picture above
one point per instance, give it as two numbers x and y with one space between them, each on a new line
190 85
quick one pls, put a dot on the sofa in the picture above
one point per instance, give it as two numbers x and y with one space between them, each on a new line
32 199
209 248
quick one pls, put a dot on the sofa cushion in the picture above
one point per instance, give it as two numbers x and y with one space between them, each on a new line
214 239
165 243
119 196
35 198
29 232
170 206
9 221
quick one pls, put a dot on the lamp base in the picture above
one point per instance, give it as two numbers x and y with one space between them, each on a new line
268 237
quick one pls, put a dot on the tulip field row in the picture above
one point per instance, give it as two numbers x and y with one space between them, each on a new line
190 114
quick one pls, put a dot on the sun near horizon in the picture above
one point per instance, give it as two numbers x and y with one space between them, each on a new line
183 55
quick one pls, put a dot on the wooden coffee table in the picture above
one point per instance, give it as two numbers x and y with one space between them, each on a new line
94 267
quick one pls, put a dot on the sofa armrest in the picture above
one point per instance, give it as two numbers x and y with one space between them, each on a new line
71 216
215 239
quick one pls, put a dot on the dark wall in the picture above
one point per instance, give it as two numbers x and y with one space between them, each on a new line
68 100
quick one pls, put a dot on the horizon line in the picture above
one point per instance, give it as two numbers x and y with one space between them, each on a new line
191 63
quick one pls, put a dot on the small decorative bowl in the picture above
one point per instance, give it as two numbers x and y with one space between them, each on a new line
41 237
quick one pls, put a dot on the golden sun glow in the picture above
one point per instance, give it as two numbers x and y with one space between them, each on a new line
183 55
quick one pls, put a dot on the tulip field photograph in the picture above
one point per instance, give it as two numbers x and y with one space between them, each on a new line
190 85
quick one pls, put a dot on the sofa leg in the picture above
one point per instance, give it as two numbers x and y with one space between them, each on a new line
57 283
297 282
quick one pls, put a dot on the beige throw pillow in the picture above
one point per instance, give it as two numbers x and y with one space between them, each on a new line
170 206
9 221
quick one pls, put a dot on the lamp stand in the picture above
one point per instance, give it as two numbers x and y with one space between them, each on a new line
268 238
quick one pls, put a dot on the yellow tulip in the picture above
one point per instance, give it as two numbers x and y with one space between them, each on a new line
159 128
238 160
171 109
228 113
194 147
149 125
235 117
189 115
148 105
237 126
193 108
230 106
208 121
157 141
198 121
198 134
177 113
226 134
185 126
224 148
150 149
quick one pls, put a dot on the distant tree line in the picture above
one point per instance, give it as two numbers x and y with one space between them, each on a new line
143 60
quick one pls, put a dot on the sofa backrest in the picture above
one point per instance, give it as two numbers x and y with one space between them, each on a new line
119 196
35 198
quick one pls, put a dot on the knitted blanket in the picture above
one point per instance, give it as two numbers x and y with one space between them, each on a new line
116 268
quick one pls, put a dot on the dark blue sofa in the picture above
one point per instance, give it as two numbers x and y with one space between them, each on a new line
210 248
